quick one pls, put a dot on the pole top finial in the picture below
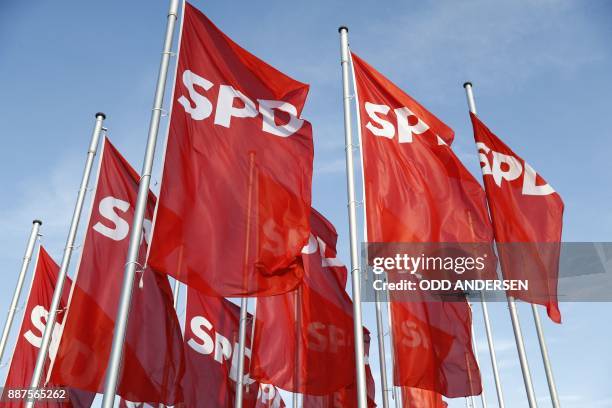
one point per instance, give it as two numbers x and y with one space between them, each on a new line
466 84
101 114
341 28
39 222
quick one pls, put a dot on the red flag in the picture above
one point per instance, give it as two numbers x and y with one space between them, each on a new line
347 396
527 218
417 190
30 335
211 352
432 348
269 397
153 352
304 339
418 398
235 193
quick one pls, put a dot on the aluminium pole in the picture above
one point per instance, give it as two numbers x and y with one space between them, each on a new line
244 304
177 283
253 320
61 277
175 293
397 391
297 362
381 352
380 327
520 346
295 395
114 364
554 396
483 400
20 279
487 322
516 326
352 213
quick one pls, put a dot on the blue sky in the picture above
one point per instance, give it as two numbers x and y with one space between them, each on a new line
541 74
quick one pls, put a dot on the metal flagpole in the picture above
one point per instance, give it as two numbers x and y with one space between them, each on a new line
177 283
244 304
352 213
483 400
61 277
518 335
297 363
175 292
380 328
244 301
520 346
544 349
112 372
20 279
296 314
397 391
516 326
487 322
253 320
381 352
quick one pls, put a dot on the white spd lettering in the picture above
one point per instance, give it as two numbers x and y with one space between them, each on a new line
509 168
315 244
325 338
38 318
203 108
207 341
268 396
226 109
411 336
231 103
206 344
408 123
267 108
108 209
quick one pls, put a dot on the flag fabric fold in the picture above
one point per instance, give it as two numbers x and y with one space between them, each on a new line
304 339
346 397
432 348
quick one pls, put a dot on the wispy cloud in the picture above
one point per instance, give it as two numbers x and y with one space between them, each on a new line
501 42
501 346
330 167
